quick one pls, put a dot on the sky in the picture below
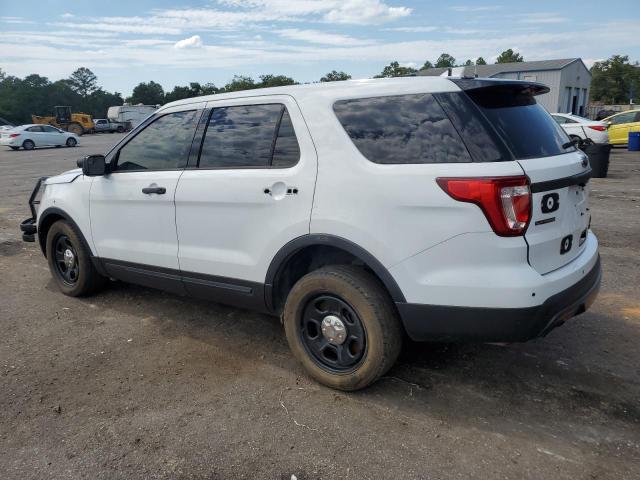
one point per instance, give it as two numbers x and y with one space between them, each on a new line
175 42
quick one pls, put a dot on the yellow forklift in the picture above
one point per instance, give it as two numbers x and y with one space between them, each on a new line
78 123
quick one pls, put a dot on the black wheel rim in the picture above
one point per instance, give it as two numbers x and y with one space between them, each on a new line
333 356
66 259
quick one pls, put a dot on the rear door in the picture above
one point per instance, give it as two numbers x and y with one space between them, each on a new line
558 173
37 135
248 194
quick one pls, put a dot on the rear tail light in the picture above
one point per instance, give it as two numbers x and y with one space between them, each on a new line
14 135
505 201
600 128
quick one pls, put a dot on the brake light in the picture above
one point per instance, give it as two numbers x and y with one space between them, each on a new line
14 135
600 128
505 201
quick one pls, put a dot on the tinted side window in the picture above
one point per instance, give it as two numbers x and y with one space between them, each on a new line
401 129
523 124
163 145
49 129
34 129
287 151
483 143
249 136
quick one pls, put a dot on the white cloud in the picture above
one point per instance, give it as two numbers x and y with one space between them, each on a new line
412 29
125 27
365 12
474 8
541 18
191 42
67 15
319 37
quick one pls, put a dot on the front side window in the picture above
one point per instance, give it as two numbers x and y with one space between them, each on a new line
34 129
50 129
401 129
623 118
249 136
164 144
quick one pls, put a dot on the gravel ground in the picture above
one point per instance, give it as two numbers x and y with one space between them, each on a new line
135 383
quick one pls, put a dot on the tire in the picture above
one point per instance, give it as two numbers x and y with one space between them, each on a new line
365 310
28 145
120 129
78 277
71 142
75 128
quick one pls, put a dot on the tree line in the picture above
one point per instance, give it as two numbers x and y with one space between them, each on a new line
613 80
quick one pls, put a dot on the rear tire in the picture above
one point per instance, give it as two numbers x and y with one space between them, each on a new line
120 129
70 261
28 145
366 318
71 142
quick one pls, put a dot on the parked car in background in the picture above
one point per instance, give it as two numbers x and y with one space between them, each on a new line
5 124
621 124
31 135
104 125
582 128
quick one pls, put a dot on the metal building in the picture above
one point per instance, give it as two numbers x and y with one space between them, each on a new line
569 80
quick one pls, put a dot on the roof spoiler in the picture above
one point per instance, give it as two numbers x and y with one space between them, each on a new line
520 86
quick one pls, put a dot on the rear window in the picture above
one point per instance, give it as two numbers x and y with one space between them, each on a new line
525 126
401 129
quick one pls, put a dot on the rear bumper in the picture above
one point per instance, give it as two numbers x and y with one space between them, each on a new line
478 324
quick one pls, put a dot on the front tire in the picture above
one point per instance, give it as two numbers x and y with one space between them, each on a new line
342 326
71 142
70 261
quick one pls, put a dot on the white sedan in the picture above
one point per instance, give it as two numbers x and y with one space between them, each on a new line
582 128
31 136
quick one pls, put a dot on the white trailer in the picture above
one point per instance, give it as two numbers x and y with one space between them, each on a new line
130 115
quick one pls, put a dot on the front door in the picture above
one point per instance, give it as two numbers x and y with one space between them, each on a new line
132 209
249 195
52 136
620 126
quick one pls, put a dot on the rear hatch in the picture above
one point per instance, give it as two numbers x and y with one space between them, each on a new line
557 170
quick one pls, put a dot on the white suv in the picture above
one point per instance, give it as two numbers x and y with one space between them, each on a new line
444 209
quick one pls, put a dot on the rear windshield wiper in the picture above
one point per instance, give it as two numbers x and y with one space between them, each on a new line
571 143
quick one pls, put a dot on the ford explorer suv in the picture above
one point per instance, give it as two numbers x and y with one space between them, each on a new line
359 212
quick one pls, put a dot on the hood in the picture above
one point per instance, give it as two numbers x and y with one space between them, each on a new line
65 177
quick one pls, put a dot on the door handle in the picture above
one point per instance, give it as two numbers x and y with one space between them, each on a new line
158 190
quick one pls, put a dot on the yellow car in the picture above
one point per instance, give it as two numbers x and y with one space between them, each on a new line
621 124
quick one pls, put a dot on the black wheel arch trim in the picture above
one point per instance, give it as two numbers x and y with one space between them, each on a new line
61 213
314 239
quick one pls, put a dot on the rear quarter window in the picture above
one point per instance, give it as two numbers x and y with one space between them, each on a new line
523 125
401 129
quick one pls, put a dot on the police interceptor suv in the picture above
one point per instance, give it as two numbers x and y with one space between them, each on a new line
443 209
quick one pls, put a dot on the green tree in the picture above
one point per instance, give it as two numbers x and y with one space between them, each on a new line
427 65
240 82
509 56
445 61
275 81
614 79
83 82
335 76
193 90
150 93
480 61
468 63
395 70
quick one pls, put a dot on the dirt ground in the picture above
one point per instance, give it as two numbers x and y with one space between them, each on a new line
135 383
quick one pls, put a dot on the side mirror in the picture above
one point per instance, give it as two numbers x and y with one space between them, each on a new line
93 165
